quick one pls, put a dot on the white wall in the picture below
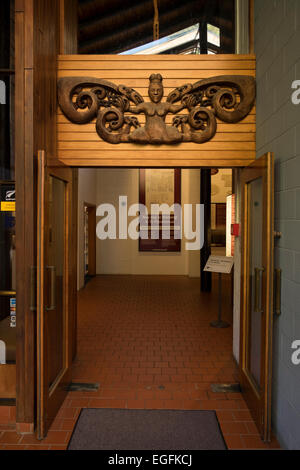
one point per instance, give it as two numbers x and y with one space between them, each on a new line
123 256
221 186
87 186
242 26
105 185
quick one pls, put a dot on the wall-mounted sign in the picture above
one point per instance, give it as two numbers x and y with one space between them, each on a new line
160 231
13 318
8 206
7 197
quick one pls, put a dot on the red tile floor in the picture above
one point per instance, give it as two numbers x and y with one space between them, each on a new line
147 341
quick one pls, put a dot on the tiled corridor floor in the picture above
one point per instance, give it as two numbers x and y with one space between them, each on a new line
147 341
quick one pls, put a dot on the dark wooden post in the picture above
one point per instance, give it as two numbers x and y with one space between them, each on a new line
203 37
205 198
205 189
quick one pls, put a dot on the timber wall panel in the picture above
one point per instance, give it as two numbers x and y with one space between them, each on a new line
37 38
80 145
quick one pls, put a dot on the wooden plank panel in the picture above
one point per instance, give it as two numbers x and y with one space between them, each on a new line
159 154
233 145
140 83
149 58
121 75
73 136
170 116
190 146
166 92
250 119
160 65
150 163
222 128
141 116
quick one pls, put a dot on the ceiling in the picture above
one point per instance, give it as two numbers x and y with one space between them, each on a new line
113 26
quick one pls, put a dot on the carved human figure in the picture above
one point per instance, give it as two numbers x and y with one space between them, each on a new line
156 131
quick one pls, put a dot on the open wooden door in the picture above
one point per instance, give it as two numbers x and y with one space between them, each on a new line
54 291
257 183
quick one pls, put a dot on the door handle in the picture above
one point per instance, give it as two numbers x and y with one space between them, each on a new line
278 273
258 289
52 270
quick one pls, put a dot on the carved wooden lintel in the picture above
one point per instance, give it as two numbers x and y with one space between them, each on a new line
229 98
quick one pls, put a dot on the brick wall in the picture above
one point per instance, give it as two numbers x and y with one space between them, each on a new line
277 46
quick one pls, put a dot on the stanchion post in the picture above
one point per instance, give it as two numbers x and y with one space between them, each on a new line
219 323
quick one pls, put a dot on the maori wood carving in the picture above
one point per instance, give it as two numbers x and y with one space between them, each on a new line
228 97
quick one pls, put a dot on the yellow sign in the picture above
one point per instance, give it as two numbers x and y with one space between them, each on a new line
8 206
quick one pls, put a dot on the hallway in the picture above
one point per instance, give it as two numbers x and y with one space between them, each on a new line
151 331
147 341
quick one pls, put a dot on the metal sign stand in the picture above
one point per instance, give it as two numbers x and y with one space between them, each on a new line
220 323
219 264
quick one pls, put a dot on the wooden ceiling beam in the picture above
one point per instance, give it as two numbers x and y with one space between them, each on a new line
89 9
118 25
170 21
113 22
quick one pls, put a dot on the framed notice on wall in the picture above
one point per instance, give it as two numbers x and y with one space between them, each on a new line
160 228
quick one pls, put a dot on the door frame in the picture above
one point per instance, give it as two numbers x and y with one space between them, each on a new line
259 403
49 399
75 225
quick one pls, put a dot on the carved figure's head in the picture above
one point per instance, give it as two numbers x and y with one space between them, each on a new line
156 89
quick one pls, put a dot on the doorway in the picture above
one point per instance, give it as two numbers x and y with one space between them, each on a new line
162 302
127 379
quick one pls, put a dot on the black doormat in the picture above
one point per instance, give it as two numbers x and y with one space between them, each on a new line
116 429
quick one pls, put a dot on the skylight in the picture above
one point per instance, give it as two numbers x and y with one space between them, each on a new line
188 37
213 35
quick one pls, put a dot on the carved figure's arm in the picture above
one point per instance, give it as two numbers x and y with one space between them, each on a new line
137 109
176 108
187 101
